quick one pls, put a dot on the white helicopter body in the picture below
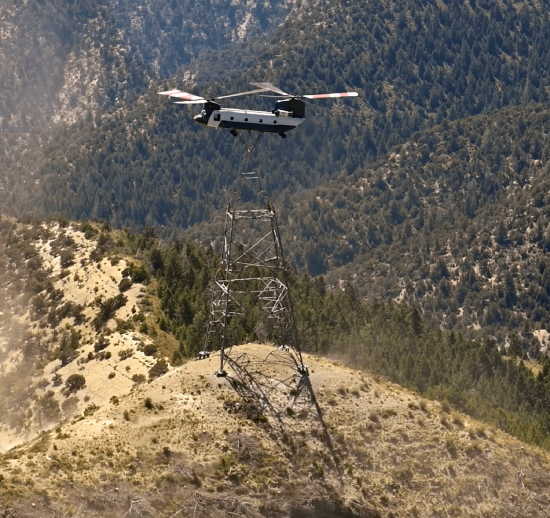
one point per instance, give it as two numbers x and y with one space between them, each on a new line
277 121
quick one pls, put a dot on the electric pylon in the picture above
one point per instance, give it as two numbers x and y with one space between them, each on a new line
252 275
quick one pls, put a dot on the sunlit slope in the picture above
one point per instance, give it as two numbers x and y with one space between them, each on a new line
74 309
352 446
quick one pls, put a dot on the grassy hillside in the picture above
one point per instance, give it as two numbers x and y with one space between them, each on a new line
82 301
73 307
351 446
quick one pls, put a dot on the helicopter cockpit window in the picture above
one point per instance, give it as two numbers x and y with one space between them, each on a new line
217 117
203 113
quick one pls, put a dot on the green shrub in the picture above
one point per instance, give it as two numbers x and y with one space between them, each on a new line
66 258
124 285
107 309
160 368
122 326
74 383
125 354
139 274
149 349
90 410
49 409
102 343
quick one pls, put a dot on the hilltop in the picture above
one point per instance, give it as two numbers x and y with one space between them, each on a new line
104 412
350 446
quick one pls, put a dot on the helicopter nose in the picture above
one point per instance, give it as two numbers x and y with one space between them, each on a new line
201 120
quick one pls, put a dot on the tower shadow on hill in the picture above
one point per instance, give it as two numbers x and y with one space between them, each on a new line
273 387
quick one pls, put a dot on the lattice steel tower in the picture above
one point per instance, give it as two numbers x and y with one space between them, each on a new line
253 274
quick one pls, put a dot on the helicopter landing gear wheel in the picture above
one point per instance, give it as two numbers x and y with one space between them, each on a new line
282 135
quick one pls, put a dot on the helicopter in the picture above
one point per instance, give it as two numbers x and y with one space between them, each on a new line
289 111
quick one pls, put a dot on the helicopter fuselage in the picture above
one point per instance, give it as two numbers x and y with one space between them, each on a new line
228 118
280 120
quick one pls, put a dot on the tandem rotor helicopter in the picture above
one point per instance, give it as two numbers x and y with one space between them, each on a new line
289 111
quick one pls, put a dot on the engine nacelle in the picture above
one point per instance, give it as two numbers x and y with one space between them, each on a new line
292 107
283 113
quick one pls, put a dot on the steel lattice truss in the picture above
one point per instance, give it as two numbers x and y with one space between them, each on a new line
251 275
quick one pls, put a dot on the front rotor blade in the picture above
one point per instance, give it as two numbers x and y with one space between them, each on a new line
269 86
196 101
242 93
182 95
330 96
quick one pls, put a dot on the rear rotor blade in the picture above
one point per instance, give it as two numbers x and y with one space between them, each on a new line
270 87
169 92
331 96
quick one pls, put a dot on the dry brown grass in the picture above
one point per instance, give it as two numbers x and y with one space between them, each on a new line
379 449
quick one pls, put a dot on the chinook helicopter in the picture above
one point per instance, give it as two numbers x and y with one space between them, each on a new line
289 111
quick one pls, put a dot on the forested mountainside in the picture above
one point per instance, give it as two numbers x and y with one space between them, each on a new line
457 219
459 88
415 64
65 60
